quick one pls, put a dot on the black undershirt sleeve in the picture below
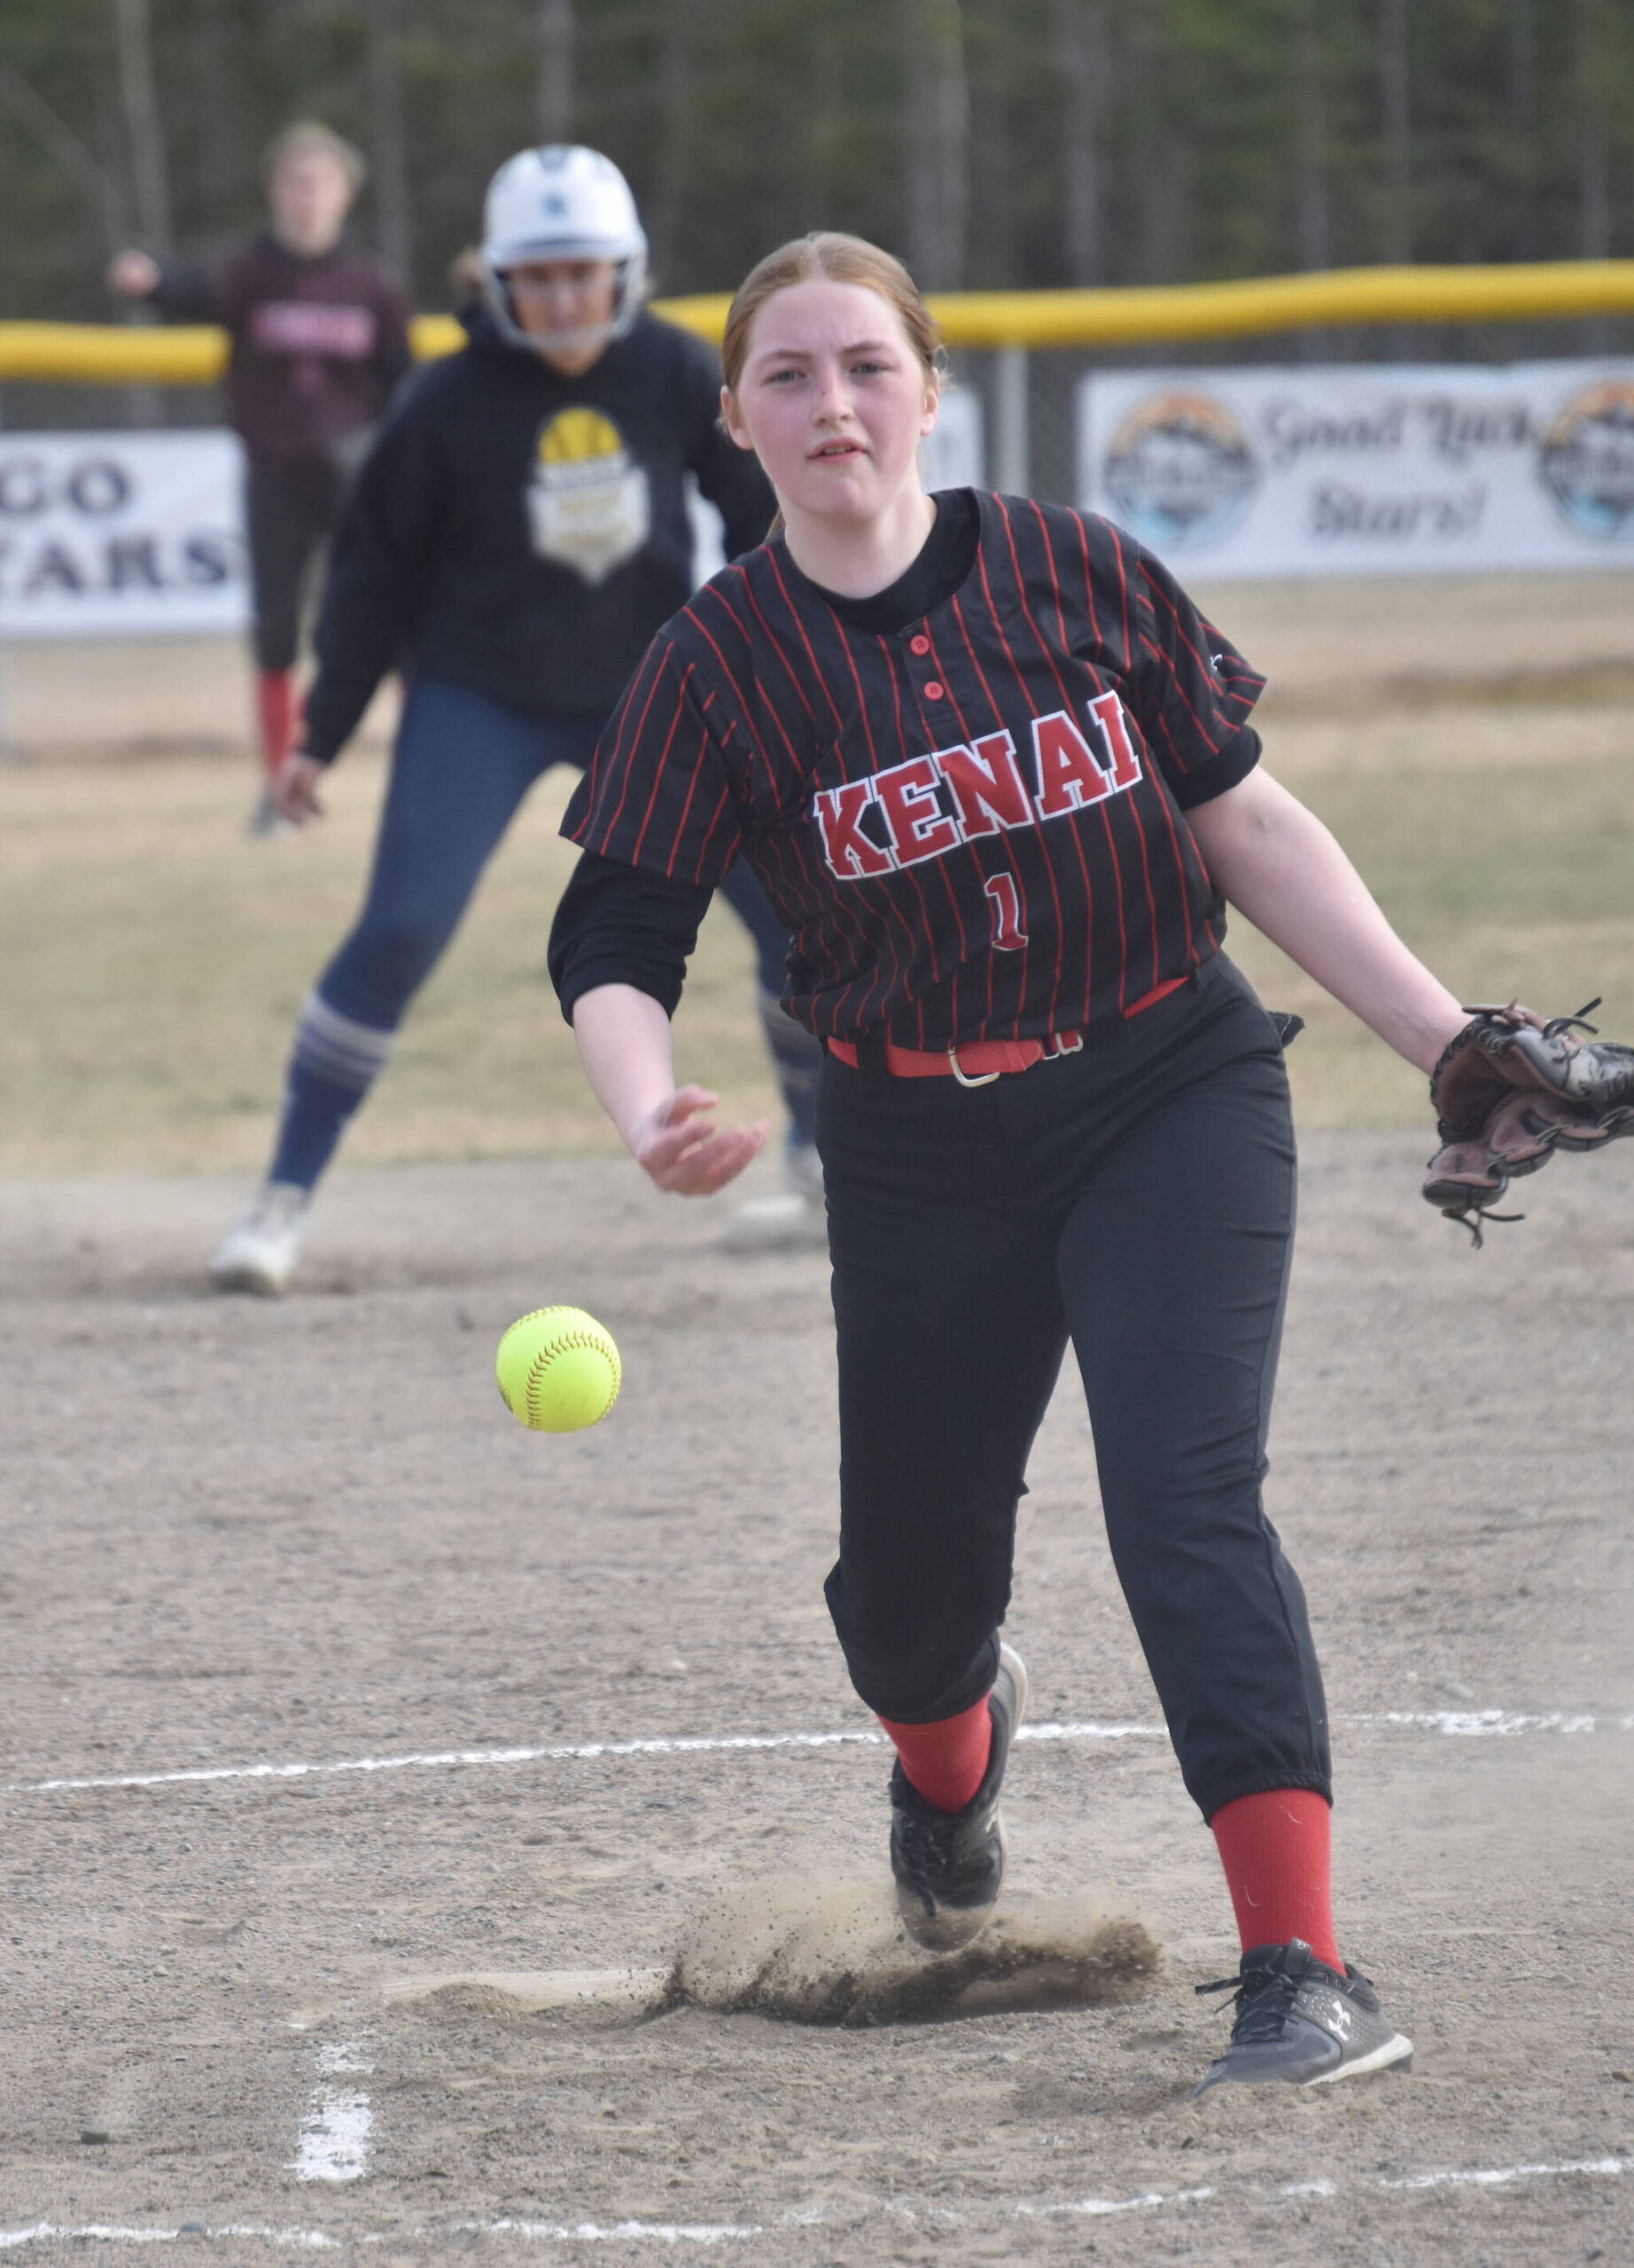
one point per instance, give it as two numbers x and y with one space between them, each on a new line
185 293
390 524
1216 773
620 925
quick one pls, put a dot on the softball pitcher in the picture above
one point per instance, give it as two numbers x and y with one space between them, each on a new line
998 775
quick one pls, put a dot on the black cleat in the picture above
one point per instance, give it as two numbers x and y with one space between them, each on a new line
1303 2023
949 1865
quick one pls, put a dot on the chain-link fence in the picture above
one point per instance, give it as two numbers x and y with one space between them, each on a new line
1052 375
1029 399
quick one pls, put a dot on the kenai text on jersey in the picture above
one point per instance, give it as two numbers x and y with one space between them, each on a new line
929 805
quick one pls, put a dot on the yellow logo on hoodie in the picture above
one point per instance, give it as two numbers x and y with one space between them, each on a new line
589 504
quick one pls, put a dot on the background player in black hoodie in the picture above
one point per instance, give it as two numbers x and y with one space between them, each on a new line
320 337
514 537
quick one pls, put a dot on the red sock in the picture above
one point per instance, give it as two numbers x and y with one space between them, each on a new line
275 714
1274 1849
945 1761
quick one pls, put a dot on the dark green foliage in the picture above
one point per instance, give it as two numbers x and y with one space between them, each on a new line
740 122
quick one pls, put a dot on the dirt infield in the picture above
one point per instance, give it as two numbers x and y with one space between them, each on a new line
409 1823
307 1535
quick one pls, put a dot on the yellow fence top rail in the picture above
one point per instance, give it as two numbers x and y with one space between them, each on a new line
119 354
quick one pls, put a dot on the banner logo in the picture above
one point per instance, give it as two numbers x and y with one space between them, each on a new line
1587 459
1180 470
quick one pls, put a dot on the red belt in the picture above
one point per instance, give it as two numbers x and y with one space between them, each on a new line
975 1062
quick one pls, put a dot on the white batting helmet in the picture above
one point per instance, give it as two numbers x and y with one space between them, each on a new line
563 202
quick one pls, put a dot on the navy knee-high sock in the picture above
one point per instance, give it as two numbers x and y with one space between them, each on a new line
334 1063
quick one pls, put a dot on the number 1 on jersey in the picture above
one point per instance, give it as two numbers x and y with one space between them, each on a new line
1008 937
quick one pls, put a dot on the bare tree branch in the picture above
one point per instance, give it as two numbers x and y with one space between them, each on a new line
935 138
389 140
1397 130
1309 140
1082 48
558 39
677 69
139 94
224 146
1593 135
65 148
1520 91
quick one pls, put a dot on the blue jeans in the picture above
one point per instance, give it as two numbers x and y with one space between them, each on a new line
461 767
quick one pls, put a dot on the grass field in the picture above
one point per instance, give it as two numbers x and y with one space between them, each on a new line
152 959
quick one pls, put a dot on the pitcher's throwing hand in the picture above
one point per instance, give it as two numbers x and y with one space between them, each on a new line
685 1152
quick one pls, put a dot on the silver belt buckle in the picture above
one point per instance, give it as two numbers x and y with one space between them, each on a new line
1063 1043
984 1079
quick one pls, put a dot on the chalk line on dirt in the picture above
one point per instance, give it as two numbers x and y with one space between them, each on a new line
1096 2208
584 1751
710 2233
1457 1723
1322 2191
1492 1724
598 2233
1499 2177
339 2122
101 2233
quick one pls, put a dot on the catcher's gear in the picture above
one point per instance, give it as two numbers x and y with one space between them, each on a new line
1509 1091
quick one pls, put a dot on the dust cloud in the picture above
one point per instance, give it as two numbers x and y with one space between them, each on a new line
825 1948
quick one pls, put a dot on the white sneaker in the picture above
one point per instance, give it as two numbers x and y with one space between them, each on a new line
798 1220
266 819
260 1253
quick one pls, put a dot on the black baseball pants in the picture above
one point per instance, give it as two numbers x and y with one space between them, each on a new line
1136 1199
290 506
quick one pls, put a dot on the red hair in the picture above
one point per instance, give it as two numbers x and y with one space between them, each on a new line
826 255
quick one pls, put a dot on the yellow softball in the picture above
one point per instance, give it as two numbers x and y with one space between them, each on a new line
558 1370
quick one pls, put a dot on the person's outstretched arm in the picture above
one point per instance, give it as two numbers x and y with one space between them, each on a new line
624 1043
1276 863
183 291
386 533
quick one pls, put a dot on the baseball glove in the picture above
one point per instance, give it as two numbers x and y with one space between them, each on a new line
1511 1089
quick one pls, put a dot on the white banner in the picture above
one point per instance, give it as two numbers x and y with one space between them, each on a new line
951 455
109 535
121 535
1361 470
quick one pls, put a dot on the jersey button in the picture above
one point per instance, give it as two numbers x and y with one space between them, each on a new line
933 691
920 645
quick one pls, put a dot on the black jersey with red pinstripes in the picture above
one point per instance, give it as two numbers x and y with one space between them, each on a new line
974 827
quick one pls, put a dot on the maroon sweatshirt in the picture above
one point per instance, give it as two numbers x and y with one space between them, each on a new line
317 344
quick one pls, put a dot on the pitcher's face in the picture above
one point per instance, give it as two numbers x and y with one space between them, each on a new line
833 400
